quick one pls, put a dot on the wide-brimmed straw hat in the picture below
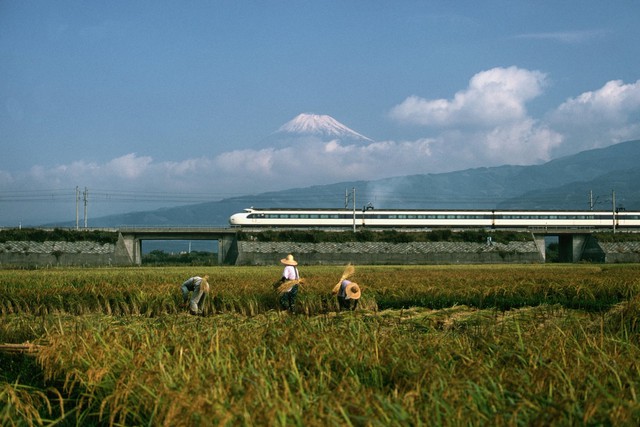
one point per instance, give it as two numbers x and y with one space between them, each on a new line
353 291
289 260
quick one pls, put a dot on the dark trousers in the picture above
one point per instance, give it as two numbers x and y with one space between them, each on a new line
347 304
288 299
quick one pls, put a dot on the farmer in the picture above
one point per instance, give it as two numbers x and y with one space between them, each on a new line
199 286
348 294
288 284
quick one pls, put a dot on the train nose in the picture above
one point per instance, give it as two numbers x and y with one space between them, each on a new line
234 219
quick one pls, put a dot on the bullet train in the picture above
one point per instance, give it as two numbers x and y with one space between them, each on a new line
414 218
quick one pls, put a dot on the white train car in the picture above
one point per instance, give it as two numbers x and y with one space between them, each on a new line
414 218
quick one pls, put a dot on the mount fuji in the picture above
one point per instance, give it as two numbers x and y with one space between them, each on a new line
320 125
310 128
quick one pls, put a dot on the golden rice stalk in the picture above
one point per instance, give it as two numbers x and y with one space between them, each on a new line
289 283
349 271
26 348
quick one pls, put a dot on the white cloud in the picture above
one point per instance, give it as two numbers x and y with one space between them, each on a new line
259 162
599 118
493 97
612 103
129 166
486 124
523 143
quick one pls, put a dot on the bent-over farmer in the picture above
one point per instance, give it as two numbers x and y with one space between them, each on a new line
199 287
348 294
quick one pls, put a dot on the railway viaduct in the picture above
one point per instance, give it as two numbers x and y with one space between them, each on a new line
572 242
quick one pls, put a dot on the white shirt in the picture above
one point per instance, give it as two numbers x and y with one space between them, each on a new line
290 273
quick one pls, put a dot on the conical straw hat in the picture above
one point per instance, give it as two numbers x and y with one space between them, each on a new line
353 291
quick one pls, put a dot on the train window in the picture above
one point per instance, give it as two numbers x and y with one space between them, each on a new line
315 216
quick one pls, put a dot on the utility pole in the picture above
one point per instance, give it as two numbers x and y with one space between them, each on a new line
613 199
590 200
77 206
86 197
346 204
354 209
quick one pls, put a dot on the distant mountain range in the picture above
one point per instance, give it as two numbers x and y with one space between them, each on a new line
589 178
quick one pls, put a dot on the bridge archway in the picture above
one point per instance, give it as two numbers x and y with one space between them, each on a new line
571 244
132 239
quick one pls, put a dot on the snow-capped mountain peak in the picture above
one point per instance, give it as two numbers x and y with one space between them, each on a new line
322 125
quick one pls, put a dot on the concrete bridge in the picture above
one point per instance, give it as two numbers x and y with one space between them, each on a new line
572 243
132 238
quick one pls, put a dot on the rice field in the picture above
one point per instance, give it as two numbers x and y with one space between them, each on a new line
428 345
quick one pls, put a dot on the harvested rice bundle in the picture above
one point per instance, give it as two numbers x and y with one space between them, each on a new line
283 286
349 271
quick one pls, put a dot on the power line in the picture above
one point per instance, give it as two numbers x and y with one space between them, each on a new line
69 195
305 197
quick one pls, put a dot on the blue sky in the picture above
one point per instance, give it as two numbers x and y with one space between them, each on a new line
173 102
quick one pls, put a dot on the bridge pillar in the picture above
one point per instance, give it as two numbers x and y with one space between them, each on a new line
579 243
226 250
133 248
572 247
541 245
